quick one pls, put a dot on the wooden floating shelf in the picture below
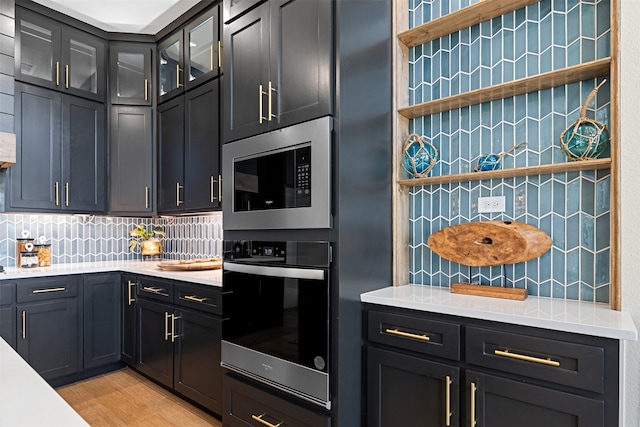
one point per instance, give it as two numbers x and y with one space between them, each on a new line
463 18
577 166
543 81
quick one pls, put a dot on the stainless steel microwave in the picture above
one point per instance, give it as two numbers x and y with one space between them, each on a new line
280 179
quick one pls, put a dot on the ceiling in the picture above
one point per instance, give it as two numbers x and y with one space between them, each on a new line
123 16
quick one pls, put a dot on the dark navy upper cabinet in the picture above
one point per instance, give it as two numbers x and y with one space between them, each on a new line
278 58
55 56
234 8
131 73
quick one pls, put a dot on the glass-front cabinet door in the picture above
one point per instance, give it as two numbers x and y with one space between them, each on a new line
170 67
130 67
52 55
203 48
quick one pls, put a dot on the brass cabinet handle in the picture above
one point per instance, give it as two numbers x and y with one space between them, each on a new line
66 194
195 298
57 186
259 419
447 400
260 93
213 196
473 405
178 71
166 326
507 353
173 327
271 90
146 197
219 54
407 334
66 76
178 188
146 89
57 73
154 289
131 300
44 291
24 325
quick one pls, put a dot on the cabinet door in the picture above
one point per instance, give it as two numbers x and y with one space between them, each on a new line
203 55
102 326
170 67
499 402
171 156
37 50
8 325
48 337
131 161
83 56
35 179
129 323
246 62
197 371
130 71
233 8
301 65
84 155
404 390
202 148
155 349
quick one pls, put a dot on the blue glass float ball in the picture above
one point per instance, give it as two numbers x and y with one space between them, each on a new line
423 156
488 163
587 141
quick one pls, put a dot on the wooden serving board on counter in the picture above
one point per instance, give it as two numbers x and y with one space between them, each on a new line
489 291
191 265
490 243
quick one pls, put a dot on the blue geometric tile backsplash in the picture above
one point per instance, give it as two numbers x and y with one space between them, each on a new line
573 208
76 239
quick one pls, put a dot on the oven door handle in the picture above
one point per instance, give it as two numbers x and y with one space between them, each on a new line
286 272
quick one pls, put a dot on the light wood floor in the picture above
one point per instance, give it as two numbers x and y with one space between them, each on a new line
125 398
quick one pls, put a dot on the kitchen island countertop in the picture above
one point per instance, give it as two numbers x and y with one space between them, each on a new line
548 313
147 268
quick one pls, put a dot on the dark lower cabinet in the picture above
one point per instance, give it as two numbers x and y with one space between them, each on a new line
102 328
155 350
128 320
402 382
8 312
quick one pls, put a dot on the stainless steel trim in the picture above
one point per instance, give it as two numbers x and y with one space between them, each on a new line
303 382
317 134
286 272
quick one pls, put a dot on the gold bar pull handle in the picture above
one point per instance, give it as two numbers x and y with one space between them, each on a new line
173 328
178 188
472 405
178 71
447 401
219 54
213 196
146 89
57 187
407 334
57 73
66 194
146 197
271 90
166 326
507 353
195 298
260 113
47 290
24 324
66 76
220 188
131 300
259 419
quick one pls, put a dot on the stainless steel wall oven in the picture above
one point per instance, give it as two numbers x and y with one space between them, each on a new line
276 310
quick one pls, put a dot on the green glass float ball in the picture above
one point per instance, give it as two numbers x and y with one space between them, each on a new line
586 141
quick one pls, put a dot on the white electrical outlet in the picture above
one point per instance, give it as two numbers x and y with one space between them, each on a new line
491 204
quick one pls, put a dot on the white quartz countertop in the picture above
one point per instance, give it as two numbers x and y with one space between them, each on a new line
26 399
147 268
547 313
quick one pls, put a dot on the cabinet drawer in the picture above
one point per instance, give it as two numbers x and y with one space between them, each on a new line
157 289
47 288
561 362
199 297
246 405
413 333
7 293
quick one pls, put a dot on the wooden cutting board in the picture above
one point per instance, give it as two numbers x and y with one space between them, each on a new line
191 265
489 243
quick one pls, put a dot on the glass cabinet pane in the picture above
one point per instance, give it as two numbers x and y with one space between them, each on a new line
170 68
130 80
83 67
36 51
202 55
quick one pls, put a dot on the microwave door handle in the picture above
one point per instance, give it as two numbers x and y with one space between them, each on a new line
286 272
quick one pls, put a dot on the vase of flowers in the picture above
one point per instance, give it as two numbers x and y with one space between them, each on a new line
150 244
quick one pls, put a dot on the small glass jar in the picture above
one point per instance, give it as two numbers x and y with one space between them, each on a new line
44 254
21 247
28 259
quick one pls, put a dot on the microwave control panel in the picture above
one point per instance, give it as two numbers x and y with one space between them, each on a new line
303 177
